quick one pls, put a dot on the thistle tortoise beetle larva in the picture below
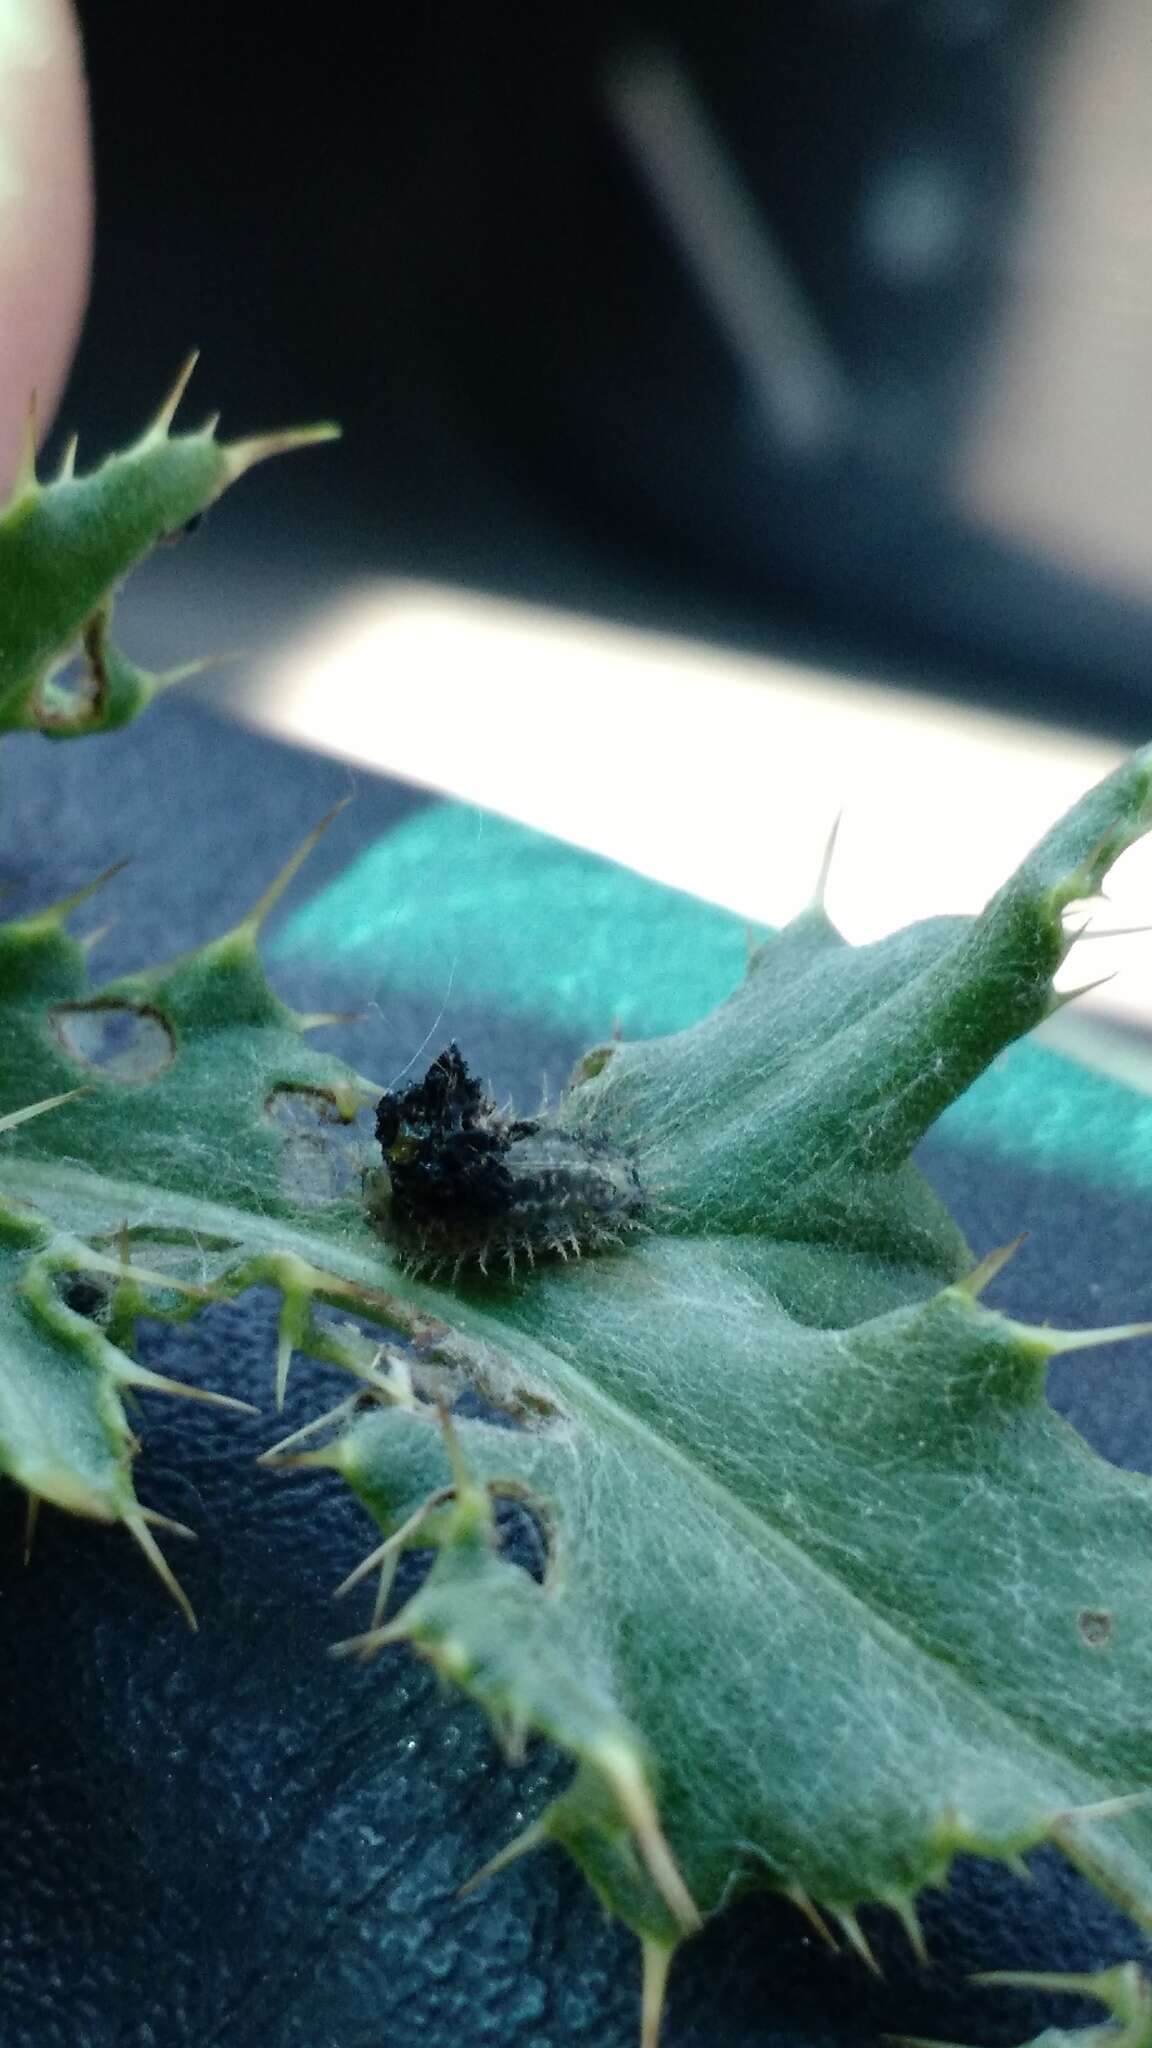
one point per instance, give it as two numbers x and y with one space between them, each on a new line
468 1185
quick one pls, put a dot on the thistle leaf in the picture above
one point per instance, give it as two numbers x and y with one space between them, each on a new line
831 1596
66 545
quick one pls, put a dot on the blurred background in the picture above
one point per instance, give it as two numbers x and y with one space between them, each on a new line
747 410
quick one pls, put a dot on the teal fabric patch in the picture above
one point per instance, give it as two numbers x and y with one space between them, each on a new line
1044 1109
461 900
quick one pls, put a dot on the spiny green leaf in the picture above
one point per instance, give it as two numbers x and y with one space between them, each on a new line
66 545
207 1178
831 1595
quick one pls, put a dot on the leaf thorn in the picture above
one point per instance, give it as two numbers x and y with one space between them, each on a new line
624 1773
136 1523
130 1373
521 1845
157 430
373 1639
31 1517
250 924
274 1454
856 1938
243 455
1106 1809
820 893
1123 1989
57 912
1124 931
159 1521
657 1958
1054 1343
35 1109
1061 998
805 1904
986 1269
326 1459
905 1910
26 482
390 1546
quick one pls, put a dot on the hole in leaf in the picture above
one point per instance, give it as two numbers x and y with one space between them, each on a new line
83 1294
77 688
296 1109
317 1164
524 1536
71 691
502 1400
121 1041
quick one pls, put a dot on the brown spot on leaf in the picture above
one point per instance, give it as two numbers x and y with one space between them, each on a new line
1095 1627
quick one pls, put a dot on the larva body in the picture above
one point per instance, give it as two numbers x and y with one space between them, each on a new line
466 1185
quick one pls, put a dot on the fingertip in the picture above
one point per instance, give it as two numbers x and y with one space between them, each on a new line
45 211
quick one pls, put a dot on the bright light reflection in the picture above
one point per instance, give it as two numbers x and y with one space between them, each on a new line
717 772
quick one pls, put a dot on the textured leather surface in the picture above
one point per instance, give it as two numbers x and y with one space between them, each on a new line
230 1839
